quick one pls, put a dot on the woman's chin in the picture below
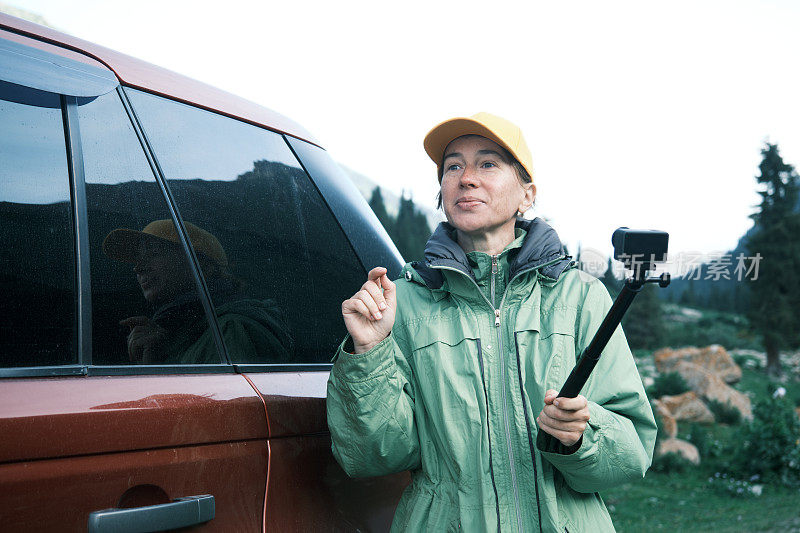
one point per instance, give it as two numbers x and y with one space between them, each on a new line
470 223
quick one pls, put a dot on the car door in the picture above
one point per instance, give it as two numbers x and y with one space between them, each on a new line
89 433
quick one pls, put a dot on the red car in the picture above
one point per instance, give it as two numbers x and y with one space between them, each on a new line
173 264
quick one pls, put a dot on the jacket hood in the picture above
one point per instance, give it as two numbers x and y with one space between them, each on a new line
541 250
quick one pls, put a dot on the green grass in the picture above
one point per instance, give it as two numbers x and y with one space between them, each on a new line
687 502
757 383
711 327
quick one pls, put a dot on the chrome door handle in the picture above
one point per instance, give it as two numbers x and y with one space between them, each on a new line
179 513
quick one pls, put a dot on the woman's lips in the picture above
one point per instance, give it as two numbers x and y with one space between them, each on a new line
468 203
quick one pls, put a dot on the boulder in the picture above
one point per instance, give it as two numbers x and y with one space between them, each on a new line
668 423
687 450
709 386
713 358
688 406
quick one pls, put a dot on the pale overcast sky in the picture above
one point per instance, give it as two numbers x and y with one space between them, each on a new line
644 114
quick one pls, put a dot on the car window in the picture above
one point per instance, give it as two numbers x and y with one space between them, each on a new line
146 308
287 264
37 261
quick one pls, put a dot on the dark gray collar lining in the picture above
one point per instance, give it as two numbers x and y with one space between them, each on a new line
541 249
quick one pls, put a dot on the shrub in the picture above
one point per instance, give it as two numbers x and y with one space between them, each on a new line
724 413
770 444
671 462
742 359
713 452
667 384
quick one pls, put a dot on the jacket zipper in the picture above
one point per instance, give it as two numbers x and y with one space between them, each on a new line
480 361
489 433
505 401
522 395
502 370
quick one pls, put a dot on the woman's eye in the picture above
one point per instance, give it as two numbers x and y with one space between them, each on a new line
453 167
487 164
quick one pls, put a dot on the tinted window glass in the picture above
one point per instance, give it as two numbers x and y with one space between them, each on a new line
364 230
37 262
145 304
286 266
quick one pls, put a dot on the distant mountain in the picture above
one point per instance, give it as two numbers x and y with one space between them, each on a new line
23 14
722 294
366 185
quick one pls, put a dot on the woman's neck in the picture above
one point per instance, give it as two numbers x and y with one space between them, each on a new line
489 242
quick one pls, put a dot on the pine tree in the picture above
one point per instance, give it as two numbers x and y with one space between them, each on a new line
613 285
688 296
643 323
379 208
776 291
411 230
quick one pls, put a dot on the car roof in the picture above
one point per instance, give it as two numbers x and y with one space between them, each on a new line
133 72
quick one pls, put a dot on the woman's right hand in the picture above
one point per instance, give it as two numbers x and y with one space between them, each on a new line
144 340
369 314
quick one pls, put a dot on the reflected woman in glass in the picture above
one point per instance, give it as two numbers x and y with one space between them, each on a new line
177 332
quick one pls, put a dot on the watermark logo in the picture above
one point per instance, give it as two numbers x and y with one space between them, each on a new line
715 266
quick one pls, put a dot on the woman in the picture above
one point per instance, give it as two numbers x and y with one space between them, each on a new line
178 332
452 372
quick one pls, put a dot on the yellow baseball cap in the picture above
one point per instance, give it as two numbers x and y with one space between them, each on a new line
499 130
123 244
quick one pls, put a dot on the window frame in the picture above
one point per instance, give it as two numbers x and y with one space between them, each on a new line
83 289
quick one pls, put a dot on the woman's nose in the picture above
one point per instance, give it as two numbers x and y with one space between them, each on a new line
139 264
469 177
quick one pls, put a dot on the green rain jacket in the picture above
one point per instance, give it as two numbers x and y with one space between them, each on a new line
253 330
452 394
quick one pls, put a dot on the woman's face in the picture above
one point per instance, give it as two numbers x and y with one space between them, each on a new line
481 191
162 271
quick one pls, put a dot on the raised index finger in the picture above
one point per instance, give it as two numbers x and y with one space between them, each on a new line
376 273
388 290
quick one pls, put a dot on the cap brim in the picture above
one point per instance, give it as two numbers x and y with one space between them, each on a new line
440 136
123 244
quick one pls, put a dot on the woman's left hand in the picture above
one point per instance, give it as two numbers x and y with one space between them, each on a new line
564 418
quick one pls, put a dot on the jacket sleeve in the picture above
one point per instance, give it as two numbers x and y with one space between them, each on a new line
371 411
617 445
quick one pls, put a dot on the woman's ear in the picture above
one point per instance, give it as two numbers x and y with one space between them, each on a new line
530 196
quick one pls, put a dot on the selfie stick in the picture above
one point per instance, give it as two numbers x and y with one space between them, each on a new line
639 250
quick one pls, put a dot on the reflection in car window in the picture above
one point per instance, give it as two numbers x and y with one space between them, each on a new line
146 307
289 266
37 262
